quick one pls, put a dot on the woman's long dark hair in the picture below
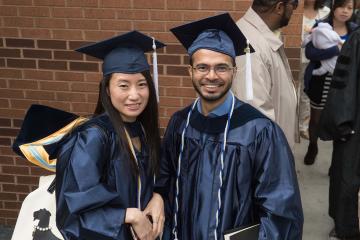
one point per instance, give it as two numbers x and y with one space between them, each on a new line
148 118
319 4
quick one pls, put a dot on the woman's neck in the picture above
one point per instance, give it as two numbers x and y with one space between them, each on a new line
340 27
309 10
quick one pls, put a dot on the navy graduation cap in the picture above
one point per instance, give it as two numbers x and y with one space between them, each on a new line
123 53
218 33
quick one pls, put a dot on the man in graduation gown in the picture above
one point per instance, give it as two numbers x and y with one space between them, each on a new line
224 164
340 122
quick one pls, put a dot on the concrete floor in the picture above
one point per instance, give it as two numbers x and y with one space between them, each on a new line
314 187
314 183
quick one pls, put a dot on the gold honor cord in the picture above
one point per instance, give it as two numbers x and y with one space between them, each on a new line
35 151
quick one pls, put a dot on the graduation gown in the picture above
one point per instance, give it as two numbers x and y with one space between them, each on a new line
338 119
94 184
260 183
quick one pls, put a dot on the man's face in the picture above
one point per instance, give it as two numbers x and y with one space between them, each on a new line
289 7
212 73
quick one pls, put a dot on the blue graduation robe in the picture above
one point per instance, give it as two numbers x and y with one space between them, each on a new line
260 183
94 184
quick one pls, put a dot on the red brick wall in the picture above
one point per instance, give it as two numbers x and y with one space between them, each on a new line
37 64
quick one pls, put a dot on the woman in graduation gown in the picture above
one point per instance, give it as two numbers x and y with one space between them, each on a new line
105 167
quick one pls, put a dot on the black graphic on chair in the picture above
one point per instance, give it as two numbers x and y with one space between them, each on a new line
43 231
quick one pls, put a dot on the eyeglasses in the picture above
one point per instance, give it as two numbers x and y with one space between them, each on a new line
219 69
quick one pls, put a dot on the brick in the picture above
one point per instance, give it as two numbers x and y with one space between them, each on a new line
166 37
67 34
183 4
11 93
17 122
15 188
7 178
38 74
133 14
21 197
21 103
169 81
35 33
84 87
84 66
18 22
27 180
4 103
98 35
115 4
56 86
92 98
242 5
91 59
166 59
5 141
23 84
8 213
59 105
175 49
93 77
6 52
8 132
216 5
34 11
13 42
8 11
170 102
166 15
67 55
83 24
5 160
82 108
52 3
70 97
12 113
10 73
37 171
69 76
82 3
51 44
50 23
180 92
57 65
115 25
99 13
177 70
5 122
3 83
149 26
171 111
22 63
10 221
191 16
12 205
77 44
15 170
159 4
9 32
7 196
186 60
2 62
292 52
39 95
17 2
29 53
294 64
67 12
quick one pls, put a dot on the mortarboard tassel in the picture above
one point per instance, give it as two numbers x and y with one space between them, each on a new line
155 70
248 73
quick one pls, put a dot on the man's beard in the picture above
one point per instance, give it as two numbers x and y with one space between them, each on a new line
284 21
211 98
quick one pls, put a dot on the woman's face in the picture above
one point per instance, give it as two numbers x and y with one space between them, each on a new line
344 13
129 94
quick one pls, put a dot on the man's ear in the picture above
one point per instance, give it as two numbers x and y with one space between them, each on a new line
279 8
190 69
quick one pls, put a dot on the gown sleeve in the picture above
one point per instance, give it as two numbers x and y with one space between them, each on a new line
339 115
84 209
277 196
